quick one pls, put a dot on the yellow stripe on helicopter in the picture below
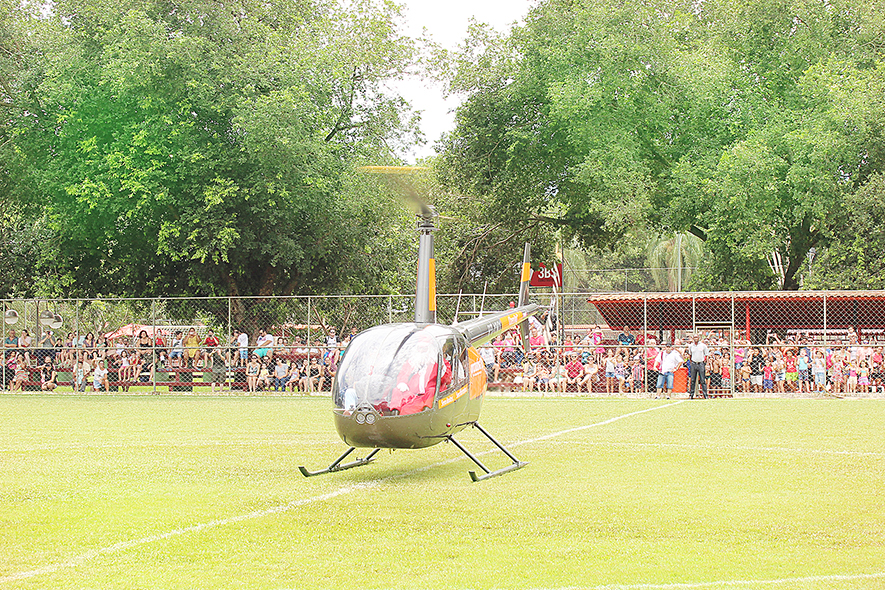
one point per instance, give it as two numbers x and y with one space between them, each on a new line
452 397
432 302
511 320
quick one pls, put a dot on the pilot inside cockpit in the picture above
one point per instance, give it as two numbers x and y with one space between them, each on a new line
415 385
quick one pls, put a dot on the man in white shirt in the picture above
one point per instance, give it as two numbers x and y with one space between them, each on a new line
668 360
697 365
264 345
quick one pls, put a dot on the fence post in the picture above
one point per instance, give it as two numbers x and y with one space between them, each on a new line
731 337
825 321
154 345
231 364
3 344
643 362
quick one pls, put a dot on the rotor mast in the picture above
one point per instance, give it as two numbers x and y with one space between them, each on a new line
425 290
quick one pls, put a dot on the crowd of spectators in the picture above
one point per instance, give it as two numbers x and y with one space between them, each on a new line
629 363
596 361
263 362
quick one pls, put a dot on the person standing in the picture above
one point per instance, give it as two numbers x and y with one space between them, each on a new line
669 360
697 365
243 346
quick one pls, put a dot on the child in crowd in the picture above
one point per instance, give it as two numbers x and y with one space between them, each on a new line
851 381
610 374
863 377
79 377
780 372
802 367
837 375
819 369
621 373
177 353
745 373
768 375
637 376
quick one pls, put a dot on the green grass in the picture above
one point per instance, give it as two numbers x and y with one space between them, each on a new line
204 492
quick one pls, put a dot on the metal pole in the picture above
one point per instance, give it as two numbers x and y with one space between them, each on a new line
36 336
309 305
731 336
229 360
644 360
825 323
307 360
154 346
3 344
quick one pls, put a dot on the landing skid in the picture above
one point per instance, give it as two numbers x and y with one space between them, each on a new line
338 466
517 464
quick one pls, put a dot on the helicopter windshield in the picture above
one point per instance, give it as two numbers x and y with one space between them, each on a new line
393 368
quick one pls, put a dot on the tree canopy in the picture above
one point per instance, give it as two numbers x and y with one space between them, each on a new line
159 147
749 123
193 146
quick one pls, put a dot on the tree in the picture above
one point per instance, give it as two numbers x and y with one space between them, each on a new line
854 258
673 260
746 124
197 147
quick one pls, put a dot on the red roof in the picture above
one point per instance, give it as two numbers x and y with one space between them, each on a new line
765 309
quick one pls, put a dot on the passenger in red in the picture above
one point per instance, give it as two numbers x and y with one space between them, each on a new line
416 384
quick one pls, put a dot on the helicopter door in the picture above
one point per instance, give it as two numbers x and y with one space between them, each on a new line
453 371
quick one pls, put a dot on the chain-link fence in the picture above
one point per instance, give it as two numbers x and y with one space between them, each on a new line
750 344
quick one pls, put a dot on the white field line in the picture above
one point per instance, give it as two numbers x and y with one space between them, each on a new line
586 426
728 583
124 545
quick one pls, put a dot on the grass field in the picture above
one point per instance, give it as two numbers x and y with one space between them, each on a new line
204 492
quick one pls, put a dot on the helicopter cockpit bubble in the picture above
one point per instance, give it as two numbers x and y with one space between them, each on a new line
393 368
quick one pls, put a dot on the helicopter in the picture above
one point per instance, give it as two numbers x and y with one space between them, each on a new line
416 384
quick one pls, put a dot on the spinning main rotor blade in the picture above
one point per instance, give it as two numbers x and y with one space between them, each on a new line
394 174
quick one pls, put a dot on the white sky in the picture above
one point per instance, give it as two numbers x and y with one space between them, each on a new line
447 24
